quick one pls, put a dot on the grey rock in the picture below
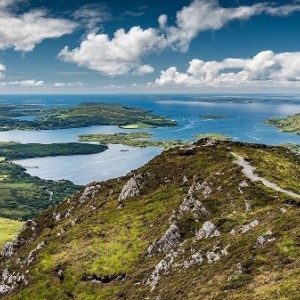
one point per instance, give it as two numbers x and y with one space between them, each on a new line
4 289
192 205
195 259
263 239
212 256
8 249
247 227
131 188
56 216
89 193
208 230
169 240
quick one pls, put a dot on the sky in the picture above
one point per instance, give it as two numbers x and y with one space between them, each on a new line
146 46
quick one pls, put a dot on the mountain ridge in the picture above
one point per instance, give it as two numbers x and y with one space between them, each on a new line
188 225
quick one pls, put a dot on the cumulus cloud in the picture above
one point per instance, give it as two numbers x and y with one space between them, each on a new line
125 51
24 31
266 68
2 70
120 55
26 83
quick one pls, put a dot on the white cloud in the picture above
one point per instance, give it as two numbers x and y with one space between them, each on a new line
283 10
2 70
125 51
90 15
144 69
23 32
266 68
27 83
203 15
120 55
69 84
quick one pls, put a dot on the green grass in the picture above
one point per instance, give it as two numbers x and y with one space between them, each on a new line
9 229
110 240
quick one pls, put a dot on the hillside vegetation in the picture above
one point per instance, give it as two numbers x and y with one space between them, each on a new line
23 195
9 230
188 225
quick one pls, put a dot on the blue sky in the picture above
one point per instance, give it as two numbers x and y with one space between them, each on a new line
144 46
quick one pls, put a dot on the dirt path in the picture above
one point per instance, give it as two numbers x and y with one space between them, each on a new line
248 170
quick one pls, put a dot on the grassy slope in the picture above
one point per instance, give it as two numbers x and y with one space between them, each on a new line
111 241
9 229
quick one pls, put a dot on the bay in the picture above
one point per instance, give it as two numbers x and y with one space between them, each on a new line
246 123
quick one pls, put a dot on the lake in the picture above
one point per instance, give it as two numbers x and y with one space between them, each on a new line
245 123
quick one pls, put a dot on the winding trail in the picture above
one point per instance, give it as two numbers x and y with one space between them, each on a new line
248 170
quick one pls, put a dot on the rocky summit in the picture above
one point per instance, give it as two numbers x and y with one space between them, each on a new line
216 220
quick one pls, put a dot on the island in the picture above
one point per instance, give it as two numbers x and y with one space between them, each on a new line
15 151
144 139
214 117
83 115
287 124
134 139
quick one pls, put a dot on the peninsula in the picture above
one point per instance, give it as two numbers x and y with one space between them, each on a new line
287 124
83 115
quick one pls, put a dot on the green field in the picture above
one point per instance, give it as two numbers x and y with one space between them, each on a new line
9 229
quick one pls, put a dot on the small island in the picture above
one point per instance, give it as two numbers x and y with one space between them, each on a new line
214 117
288 124
82 115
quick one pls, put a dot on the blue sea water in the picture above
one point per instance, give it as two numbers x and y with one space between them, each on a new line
247 114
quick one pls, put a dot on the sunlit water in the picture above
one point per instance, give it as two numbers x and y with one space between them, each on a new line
247 114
